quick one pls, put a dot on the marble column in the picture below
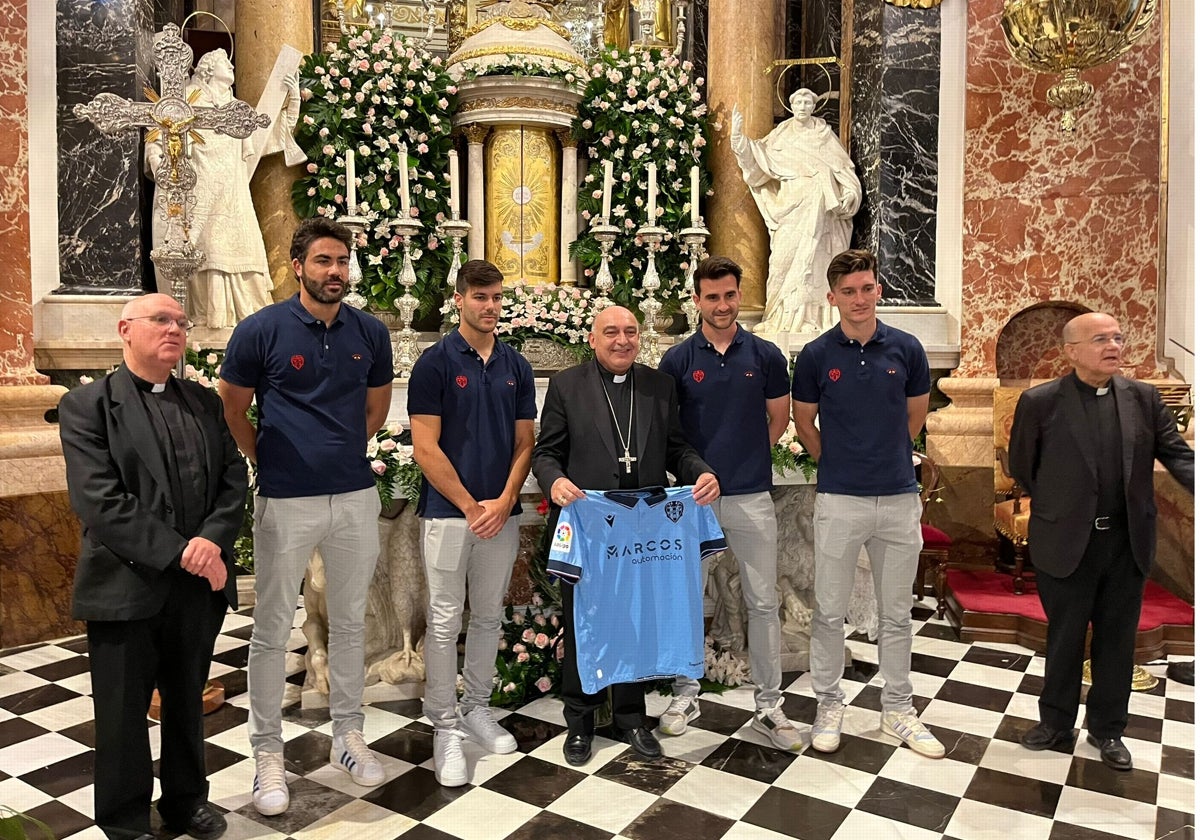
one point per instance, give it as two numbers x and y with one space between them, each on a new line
741 45
40 537
263 27
104 200
475 134
569 226
894 142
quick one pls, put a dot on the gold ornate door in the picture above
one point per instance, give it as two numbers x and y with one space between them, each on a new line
522 203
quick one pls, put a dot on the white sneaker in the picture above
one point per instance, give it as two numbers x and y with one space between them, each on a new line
479 725
827 727
449 763
351 753
270 784
775 725
904 727
682 711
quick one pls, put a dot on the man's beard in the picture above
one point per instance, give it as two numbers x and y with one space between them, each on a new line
316 290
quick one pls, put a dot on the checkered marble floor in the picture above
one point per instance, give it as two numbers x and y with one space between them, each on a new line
719 780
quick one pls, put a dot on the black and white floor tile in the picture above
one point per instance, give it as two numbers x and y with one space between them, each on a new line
719 780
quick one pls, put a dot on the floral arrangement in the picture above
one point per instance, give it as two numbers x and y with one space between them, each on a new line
375 93
561 314
641 107
529 655
396 473
789 454
722 668
513 64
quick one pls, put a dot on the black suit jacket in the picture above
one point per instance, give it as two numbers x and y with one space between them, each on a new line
576 439
1051 455
118 484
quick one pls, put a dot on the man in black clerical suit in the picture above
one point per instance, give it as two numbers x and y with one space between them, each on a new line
610 424
1084 447
159 487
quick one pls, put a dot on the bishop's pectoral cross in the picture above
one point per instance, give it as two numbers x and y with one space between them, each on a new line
172 117
628 461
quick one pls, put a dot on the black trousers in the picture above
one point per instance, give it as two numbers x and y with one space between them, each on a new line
171 650
628 699
1105 590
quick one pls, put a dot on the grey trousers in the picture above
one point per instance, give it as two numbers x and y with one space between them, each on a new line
750 530
345 527
890 528
459 565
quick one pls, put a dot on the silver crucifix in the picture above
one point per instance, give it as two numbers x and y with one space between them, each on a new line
170 113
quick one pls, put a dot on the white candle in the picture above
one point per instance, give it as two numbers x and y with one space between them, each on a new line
351 187
405 200
652 193
608 185
695 196
454 184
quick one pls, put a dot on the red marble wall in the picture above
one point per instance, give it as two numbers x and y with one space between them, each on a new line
16 287
39 544
1049 216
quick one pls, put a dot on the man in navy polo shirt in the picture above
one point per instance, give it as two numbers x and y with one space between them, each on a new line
733 405
471 405
321 374
869 383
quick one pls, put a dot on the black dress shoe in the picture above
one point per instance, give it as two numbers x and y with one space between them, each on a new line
577 749
1043 737
643 742
1182 672
1113 753
205 823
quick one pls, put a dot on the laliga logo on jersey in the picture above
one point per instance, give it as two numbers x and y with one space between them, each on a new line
698 375
834 374
673 510
297 361
562 536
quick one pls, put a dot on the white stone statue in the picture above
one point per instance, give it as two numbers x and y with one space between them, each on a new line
234 279
806 188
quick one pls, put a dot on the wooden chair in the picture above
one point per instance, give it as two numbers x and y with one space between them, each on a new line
935 555
1010 514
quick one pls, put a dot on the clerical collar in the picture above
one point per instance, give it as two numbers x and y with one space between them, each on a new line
1088 388
146 386
615 378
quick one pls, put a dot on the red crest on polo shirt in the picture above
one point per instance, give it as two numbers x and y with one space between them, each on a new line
834 374
461 380
297 361
698 375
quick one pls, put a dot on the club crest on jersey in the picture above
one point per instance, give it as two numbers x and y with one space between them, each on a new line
461 380
698 375
297 361
834 374
673 510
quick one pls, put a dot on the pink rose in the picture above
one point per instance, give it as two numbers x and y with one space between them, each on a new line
541 640
543 684
344 82
379 467
518 648
522 657
528 635
540 620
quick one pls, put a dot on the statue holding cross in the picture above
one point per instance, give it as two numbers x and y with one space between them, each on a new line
172 116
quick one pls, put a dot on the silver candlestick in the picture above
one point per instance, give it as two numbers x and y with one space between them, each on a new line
357 225
405 350
693 238
650 353
455 229
606 235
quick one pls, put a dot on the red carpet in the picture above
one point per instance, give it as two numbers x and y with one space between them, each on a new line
991 592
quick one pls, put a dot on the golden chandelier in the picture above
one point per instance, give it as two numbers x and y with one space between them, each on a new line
1067 36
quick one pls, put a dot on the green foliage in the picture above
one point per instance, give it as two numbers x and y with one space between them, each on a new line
640 107
374 93
15 825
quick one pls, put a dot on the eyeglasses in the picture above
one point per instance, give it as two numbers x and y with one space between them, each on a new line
1101 340
164 321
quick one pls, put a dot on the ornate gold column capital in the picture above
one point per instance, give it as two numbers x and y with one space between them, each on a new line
565 138
476 133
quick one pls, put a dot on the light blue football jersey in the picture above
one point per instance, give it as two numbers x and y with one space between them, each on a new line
635 559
